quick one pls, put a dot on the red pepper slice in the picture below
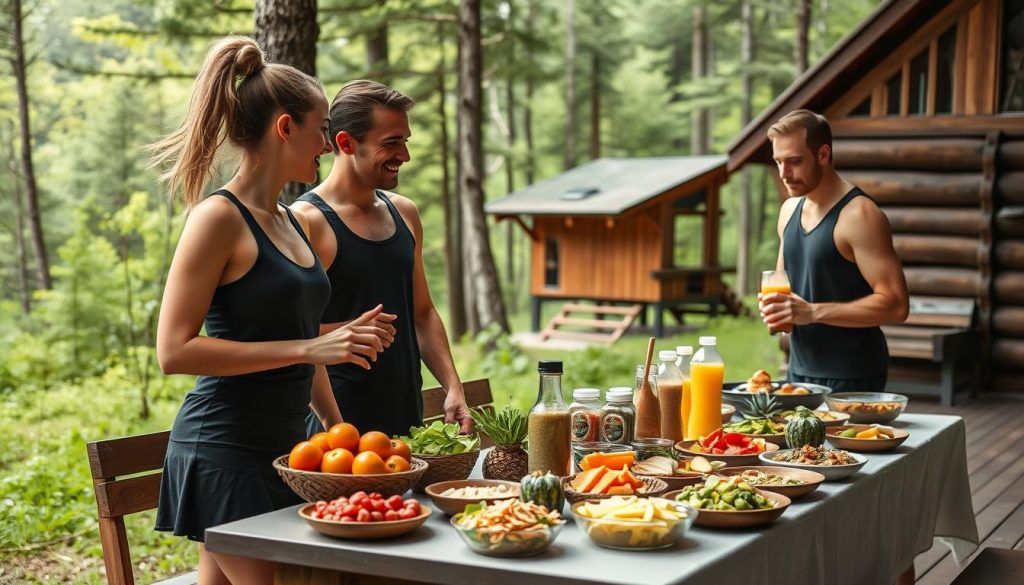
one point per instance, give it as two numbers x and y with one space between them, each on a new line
710 439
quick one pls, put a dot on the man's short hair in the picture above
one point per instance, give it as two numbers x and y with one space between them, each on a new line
352 109
819 132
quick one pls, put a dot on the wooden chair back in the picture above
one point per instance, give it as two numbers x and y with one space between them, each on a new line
478 395
126 479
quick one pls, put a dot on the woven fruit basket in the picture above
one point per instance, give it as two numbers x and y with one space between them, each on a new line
652 487
314 486
446 468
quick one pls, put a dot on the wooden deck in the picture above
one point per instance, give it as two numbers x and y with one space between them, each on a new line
995 430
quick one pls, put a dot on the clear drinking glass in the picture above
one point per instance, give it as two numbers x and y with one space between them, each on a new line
776 281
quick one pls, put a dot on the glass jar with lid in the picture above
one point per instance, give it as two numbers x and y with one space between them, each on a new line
585 413
618 417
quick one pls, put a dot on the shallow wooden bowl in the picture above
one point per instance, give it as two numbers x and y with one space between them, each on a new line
811 479
453 505
864 445
739 518
683 448
364 530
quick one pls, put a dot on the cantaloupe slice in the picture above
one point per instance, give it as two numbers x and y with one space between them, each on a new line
621 490
609 479
609 460
586 481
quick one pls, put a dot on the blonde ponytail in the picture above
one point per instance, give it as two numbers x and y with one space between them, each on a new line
234 97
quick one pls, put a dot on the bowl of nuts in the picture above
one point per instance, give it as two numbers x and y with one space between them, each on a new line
868 407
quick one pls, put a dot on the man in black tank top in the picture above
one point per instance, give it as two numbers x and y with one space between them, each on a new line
370 243
836 246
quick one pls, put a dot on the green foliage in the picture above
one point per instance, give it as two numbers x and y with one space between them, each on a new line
501 355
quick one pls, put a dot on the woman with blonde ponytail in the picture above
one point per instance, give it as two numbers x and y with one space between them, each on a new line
244 269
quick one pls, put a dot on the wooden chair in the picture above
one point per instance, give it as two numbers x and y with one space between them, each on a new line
120 490
478 395
126 480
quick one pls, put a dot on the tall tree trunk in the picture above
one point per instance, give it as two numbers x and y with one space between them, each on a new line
35 225
803 28
452 248
570 84
480 270
377 59
746 95
699 131
531 18
287 31
595 103
676 75
510 102
21 262
821 29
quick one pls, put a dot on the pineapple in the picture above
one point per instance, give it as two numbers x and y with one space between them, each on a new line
507 460
759 406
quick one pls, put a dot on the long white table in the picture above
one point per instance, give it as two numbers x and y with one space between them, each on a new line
866 529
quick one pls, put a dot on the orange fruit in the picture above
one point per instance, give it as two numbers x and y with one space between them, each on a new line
320 440
343 436
305 456
377 442
368 462
398 447
396 463
337 461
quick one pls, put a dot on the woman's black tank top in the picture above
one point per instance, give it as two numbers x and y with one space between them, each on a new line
820 274
275 300
365 273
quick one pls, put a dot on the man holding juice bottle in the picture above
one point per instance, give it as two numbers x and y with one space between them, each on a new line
836 249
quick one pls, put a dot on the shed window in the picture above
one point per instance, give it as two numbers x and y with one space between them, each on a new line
1011 97
894 87
550 262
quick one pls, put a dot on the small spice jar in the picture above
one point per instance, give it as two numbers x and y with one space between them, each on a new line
585 414
618 417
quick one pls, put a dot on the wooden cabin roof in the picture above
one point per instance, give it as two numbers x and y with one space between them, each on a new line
620 183
881 32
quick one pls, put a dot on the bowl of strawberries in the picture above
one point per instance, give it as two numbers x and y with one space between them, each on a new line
364 516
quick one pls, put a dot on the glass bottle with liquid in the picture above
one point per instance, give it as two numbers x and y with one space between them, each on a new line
549 426
670 396
707 371
684 353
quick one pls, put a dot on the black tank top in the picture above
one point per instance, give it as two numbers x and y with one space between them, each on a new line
820 274
366 273
275 300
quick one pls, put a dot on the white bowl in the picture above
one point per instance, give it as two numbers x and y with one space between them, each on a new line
831 472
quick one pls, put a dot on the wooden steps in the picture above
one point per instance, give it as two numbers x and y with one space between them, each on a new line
609 330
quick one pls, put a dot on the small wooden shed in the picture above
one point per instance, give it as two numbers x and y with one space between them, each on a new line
926 101
612 231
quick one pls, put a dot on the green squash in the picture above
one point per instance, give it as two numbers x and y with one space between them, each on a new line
544 490
804 429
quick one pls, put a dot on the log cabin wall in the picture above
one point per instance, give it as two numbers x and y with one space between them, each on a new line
1008 258
599 258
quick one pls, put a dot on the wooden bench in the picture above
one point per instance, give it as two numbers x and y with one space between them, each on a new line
126 480
938 330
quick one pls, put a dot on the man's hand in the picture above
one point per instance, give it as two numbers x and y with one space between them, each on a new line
456 410
781 309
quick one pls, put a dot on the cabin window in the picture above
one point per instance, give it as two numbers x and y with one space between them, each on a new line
689 240
1011 97
894 87
918 103
550 262
946 57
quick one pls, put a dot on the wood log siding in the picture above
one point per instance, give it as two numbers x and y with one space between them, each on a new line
918 188
949 154
1008 353
1010 188
941 250
1011 155
1010 254
1009 321
1009 287
945 282
924 220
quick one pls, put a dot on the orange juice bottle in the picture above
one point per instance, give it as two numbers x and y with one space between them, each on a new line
684 354
706 374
